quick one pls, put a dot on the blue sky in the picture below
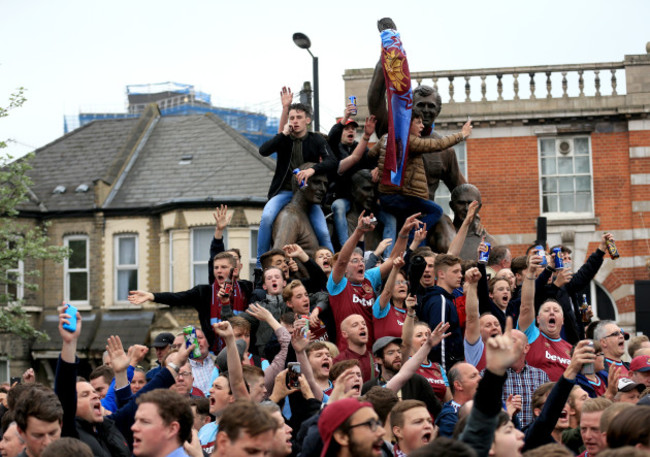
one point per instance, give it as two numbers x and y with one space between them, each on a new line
77 56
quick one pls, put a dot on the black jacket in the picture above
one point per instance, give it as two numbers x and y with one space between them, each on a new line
314 149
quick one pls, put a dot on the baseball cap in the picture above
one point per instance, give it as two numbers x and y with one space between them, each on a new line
222 357
384 341
163 340
351 121
333 417
626 385
640 363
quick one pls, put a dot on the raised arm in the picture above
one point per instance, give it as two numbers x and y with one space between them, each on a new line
286 96
527 309
66 373
363 226
411 366
119 361
235 372
300 341
409 326
472 326
387 293
357 154
458 241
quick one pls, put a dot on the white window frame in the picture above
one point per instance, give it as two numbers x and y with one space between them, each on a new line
117 267
20 287
563 215
171 260
443 194
67 270
195 281
252 262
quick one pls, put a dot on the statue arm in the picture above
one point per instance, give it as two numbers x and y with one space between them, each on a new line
451 176
377 100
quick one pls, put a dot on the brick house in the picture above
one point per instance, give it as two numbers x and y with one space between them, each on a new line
569 142
133 199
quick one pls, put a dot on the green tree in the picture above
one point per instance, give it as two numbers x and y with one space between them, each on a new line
19 242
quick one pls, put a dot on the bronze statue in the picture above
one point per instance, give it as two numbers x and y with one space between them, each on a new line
292 225
440 166
364 199
445 230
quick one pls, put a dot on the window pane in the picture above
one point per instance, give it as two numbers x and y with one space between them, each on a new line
581 146
550 204
200 273
582 164
126 251
583 202
548 166
549 185
583 184
565 165
201 239
567 203
78 286
126 280
78 256
253 244
548 147
12 287
566 184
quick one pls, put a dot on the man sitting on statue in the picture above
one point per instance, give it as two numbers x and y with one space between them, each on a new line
413 195
294 146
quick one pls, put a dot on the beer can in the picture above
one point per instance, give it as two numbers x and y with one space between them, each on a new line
190 339
559 264
484 252
353 101
613 251
302 183
305 329
539 250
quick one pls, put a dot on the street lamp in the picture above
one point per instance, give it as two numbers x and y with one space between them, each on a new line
303 42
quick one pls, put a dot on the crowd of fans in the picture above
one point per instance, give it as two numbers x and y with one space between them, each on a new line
350 353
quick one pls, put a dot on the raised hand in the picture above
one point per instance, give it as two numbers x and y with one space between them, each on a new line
295 252
259 312
293 266
438 334
221 217
374 174
410 223
472 276
364 223
603 241
304 175
419 236
298 339
583 353
467 129
501 351
369 127
119 359
68 337
280 389
137 353
513 404
138 297
224 330
471 212
411 302
29 376
286 96
383 245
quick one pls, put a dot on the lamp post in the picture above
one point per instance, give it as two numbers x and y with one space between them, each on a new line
303 42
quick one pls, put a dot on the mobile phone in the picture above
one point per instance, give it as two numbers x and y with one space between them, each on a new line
293 375
14 380
227 290
72 325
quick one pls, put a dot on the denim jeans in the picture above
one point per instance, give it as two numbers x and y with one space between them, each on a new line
271 211
406 205
340 208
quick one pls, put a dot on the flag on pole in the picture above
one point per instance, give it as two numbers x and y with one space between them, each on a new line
400 103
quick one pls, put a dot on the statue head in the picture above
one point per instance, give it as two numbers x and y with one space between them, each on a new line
461 197
428 101
363 190
316 187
